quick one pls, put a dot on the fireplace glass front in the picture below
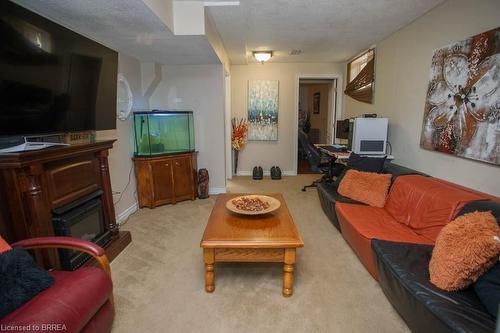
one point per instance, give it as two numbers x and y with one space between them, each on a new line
82 219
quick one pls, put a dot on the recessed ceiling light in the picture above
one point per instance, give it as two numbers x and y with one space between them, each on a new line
262 56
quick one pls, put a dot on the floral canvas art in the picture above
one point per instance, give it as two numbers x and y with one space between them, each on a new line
462 109
263 110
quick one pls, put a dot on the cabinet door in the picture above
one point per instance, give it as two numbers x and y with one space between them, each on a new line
162 181
183 177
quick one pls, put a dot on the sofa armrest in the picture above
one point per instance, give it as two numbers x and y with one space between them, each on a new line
70 243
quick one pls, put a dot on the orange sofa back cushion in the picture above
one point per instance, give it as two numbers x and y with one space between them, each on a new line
426 204
367 187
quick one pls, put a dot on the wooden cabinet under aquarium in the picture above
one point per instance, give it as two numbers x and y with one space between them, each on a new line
165 179
165 160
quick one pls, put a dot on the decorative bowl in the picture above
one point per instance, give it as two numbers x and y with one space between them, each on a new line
274 204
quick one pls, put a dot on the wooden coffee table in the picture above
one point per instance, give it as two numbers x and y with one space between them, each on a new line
230 237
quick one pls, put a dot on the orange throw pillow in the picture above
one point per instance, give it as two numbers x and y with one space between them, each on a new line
367 187
465 248
4 246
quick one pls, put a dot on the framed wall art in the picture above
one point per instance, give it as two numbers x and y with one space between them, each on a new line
462 107
263 110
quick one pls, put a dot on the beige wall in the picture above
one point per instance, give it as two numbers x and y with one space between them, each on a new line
120 157
199 88
402 71
281 152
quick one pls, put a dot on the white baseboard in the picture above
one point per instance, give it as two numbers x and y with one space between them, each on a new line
216 190
266 173
123 216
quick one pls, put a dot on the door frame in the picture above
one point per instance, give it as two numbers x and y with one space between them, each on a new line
227 126
336 110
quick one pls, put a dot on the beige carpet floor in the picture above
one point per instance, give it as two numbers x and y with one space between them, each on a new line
159 278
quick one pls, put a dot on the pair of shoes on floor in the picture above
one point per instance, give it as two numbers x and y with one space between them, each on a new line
275 172
257 173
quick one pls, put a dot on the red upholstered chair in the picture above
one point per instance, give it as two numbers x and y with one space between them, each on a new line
78 301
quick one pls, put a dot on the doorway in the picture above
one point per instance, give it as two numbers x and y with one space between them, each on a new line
317 110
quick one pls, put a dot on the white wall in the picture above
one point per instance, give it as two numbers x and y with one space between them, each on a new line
281 152
199 88
402 72
120 157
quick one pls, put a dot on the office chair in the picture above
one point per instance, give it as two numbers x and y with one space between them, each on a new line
316 161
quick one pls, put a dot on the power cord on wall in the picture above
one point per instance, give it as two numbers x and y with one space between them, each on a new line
390 147
126 186
123 192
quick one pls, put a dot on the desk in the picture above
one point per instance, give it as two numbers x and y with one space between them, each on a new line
344 155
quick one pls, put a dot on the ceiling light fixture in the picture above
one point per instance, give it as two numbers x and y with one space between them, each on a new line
262 56
220 3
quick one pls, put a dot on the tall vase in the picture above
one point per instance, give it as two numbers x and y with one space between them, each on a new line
236 152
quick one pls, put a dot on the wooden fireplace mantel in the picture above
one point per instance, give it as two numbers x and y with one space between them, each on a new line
33 183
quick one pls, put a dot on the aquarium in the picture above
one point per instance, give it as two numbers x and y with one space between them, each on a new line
163 132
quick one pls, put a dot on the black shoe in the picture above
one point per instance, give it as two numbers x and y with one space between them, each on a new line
261 173
275 172
278 173
257 173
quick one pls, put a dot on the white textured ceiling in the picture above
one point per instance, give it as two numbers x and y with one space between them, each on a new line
128 26
325 30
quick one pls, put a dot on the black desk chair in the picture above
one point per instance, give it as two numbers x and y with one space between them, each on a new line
316 161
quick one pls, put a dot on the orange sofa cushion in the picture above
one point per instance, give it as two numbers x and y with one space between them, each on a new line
425 204
465 249
361 224
4 246
366 187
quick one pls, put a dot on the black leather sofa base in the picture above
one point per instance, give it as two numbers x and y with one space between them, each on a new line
404 277
328 196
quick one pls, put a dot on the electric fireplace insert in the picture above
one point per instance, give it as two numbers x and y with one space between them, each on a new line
82 219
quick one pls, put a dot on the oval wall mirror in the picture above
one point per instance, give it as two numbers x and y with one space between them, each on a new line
124 97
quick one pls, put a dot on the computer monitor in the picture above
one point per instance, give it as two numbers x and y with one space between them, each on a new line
342 129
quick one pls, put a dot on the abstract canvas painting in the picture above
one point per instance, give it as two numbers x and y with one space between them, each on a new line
263 110
462 109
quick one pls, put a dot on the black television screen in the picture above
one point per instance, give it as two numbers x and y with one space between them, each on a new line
52 80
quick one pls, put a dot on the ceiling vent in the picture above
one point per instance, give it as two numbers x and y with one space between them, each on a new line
295 52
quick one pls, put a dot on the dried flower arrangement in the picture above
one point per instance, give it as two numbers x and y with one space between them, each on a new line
238 137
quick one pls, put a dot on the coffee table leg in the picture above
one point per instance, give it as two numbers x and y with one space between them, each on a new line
288 269
209 258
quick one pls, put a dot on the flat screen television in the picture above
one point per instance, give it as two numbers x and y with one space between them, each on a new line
52 80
